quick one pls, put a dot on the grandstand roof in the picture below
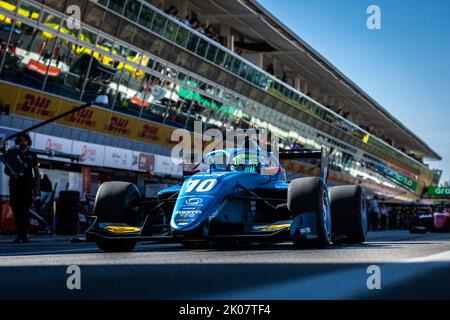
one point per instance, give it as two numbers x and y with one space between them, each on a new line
327 83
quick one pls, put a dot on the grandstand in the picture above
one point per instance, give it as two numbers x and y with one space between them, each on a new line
165 64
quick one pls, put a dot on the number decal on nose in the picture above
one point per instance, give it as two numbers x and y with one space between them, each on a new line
205 186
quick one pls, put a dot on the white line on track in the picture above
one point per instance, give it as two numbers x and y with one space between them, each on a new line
62 251
438 257
55 251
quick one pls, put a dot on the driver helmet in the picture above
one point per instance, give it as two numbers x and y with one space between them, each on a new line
245 159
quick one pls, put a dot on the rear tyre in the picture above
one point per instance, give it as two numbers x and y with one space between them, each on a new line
308 195
349 213
117 202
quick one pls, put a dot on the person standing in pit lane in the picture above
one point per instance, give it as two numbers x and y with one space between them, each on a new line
374 214
384 216
24 183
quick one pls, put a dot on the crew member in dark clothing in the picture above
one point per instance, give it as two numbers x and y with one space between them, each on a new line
23 185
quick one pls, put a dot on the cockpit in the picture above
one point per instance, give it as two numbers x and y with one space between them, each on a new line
242 160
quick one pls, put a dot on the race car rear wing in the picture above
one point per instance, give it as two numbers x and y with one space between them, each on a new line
308 154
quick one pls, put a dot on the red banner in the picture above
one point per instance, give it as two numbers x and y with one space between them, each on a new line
86 174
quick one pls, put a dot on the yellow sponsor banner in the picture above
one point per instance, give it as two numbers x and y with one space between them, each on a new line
8 96
121 125
366 138
153 133
89 119
303 168
36 105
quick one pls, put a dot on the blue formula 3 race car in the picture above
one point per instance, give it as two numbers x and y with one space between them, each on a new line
243 198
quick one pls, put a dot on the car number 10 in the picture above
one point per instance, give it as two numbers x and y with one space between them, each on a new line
205 186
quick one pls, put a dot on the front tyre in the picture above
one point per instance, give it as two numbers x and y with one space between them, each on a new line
349 213
117 203
310 195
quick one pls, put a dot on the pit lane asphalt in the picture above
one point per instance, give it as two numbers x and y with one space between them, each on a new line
412 267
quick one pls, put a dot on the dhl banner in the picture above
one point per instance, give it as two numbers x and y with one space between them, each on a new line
35 105
8 96
121 125
298 167
153 133
88 119
41 106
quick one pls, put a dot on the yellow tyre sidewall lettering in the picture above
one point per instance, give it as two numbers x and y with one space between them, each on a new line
121 230
278 227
